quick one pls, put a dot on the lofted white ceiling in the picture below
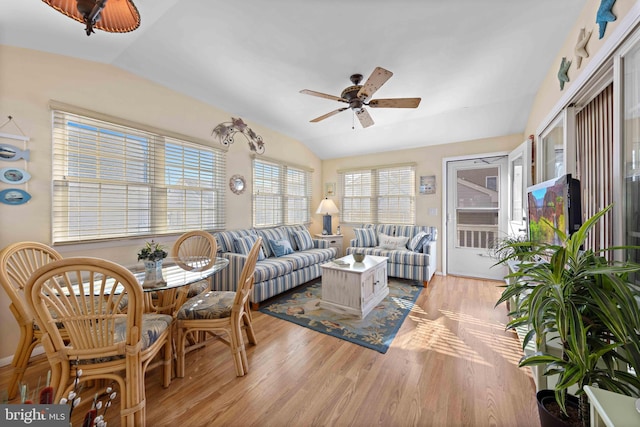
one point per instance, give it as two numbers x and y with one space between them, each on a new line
476 64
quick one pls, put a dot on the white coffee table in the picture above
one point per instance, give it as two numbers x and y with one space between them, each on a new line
355 287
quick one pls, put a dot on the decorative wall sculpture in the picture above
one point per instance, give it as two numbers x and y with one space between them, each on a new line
225 132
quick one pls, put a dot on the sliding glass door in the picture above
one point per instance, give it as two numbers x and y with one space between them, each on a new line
631 151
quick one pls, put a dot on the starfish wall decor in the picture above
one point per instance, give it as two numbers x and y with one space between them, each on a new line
604 15
563 75
225 132
581 46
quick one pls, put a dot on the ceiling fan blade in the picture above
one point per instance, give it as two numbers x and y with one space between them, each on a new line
364 117
322 95
374 82
395 103
325 116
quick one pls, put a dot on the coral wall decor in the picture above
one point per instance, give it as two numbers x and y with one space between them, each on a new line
581 46
563 75
604 15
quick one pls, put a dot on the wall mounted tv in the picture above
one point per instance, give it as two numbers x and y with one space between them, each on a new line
558 201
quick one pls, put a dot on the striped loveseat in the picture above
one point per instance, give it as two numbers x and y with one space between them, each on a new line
274 274
411 249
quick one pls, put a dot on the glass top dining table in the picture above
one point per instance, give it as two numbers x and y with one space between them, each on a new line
176 275
168 296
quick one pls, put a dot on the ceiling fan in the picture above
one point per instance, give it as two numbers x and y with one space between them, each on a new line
358 96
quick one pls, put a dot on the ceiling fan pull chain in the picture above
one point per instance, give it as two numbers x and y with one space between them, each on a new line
353 120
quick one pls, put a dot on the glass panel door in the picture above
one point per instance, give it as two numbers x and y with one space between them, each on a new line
476 213
631 152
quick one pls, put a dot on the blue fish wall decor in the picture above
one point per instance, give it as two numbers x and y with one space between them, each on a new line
11 153
14 196
14 175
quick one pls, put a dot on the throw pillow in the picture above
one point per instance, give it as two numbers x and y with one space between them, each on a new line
280 247
365 237
303 240
418 241
245 243
391 242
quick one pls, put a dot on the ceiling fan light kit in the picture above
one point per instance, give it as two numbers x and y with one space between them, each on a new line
112 16
359 96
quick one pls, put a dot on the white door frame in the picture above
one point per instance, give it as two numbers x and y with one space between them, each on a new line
445 187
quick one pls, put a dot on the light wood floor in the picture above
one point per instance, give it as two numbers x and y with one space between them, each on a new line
451 364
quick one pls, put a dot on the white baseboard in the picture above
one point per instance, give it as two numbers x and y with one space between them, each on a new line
5 361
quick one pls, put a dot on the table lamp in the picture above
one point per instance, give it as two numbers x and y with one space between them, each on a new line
328 208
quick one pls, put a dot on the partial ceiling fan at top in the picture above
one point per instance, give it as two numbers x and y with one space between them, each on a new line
358 96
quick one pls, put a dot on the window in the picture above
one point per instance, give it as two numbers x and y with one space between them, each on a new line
281 194
112 181
379 195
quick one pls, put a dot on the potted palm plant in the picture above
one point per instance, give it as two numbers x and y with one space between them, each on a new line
586 304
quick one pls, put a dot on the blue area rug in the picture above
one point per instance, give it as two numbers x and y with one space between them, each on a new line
376 331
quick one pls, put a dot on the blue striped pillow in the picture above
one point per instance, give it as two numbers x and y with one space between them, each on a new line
365 237
303 240
245 243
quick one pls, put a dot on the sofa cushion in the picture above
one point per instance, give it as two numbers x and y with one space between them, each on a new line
303 240
391 242
270 268
276 233
365 237
418 241
245 243
310 257
225 239
289 229
280 247
399 256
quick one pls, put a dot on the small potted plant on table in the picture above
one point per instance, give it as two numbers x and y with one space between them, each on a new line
152 254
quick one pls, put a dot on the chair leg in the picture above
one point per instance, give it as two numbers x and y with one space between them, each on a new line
251 335
236 344
21 358
180 351
168 360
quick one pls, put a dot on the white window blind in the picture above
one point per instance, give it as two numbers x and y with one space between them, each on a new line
112 181
281 194
378 195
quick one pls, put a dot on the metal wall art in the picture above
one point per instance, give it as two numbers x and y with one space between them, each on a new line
225 132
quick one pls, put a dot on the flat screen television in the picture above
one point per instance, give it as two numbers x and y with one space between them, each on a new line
558 201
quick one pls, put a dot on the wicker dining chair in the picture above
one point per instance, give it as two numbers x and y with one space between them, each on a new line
84 295
17 262
194 250
222 315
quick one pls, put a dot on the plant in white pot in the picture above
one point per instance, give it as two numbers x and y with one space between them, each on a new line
585 303
152 254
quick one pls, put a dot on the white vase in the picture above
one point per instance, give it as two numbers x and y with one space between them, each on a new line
153 273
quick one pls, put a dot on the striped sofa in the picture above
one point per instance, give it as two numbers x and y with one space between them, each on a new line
273 275
417 263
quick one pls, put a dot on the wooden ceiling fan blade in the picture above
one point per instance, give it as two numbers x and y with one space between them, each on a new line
374 82
395 103
322 95
364 117
326 116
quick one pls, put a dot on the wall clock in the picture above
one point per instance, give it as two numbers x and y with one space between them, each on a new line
237 184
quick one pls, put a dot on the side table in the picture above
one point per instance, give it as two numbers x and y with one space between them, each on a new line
335 241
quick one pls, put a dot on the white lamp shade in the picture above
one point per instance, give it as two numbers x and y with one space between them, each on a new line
327 207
